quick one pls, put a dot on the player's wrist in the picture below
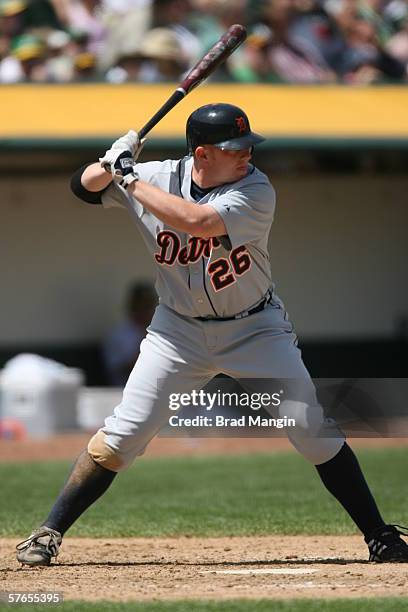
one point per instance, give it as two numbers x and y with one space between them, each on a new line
128 179
123 170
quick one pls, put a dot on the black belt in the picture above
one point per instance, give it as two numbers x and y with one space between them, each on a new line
242 315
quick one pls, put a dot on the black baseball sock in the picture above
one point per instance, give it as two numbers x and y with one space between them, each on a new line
342 476
86 483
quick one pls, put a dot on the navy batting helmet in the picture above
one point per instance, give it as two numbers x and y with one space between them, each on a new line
223 125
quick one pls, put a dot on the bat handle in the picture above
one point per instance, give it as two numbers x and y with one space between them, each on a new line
172 101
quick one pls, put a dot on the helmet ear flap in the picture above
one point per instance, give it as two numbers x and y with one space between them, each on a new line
192 136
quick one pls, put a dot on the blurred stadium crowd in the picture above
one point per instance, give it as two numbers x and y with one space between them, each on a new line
148 41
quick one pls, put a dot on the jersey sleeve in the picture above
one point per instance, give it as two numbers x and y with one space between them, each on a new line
247 213
112 197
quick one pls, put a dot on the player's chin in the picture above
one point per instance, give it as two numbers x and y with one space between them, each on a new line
236 175
242 171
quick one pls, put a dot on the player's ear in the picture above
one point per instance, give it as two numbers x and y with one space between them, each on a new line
201 153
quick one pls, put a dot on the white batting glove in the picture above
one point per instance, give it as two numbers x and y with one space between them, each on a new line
129 142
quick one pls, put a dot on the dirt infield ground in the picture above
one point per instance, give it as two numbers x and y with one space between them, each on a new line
211 568
193 568
68 446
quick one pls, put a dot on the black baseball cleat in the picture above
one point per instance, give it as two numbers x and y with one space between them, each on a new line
386 546
40 547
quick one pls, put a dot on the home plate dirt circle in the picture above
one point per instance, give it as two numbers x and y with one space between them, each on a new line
271 567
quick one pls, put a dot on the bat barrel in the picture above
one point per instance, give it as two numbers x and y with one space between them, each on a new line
227 44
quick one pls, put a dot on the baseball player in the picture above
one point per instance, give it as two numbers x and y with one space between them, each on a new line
205 219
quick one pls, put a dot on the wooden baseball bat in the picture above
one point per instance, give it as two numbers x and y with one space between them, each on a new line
227 44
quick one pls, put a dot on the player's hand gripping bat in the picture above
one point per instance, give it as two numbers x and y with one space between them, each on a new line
227 44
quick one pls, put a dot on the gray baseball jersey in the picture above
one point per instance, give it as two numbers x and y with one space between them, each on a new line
199 280
199 277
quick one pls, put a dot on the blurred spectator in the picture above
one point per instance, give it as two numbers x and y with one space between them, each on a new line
10 67
127 68
29 51
11 24
164 57
365 60
85 16
317 30
157 59
211 19
293 41
397 46
177 15
85 67
69 58
121 348
275 52
24 27
396 13
60 61
26 17
125 21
